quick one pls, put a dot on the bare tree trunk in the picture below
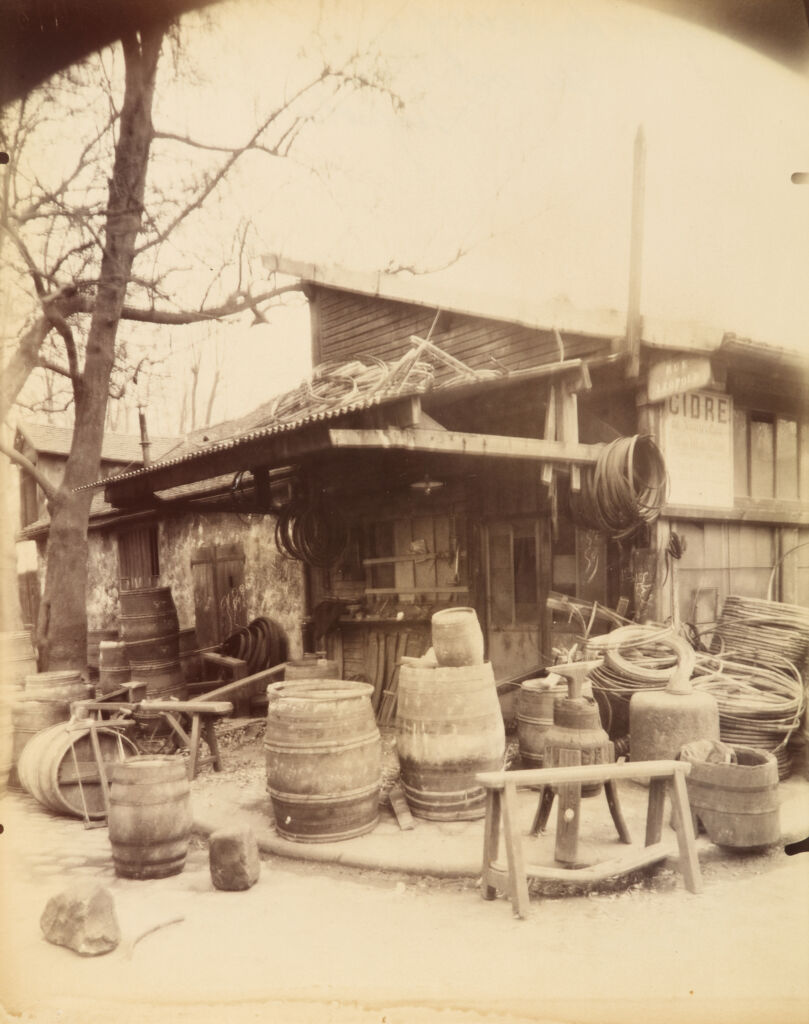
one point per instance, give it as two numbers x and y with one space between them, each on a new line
62 626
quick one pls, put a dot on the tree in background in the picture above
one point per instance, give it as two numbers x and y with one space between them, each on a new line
85 247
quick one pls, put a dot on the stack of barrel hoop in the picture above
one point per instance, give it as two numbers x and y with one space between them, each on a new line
754 669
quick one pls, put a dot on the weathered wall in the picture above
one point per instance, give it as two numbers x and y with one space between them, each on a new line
273 585
102 580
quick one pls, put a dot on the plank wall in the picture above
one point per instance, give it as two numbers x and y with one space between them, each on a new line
348 326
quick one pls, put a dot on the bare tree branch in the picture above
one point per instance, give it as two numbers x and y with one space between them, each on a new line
29 467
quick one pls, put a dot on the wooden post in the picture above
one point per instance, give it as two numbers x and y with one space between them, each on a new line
633 326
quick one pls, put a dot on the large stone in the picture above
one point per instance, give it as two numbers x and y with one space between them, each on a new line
234 859
83 919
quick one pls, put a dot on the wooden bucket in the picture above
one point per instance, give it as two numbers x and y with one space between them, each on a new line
324 759
30 717
535 702
58 767
147 613
457 637
150 817
737 803
448 728
64 685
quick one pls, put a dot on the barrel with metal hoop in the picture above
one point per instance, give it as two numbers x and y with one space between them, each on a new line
324 759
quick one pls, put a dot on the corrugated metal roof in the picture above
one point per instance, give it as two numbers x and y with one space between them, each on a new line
232 433
56 440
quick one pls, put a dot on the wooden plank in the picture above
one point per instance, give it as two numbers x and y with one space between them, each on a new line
513 843
631 861
491 843
566 849
689 863
533 778
400 808
459 443
550 433
654 813
190 707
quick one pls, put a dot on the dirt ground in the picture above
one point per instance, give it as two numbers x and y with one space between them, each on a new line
321 943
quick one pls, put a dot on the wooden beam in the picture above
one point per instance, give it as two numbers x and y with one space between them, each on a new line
456 443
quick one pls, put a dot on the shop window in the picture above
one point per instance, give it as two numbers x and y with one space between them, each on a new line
138 561
766 451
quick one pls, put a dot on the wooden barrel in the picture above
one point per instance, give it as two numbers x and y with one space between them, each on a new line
59 769
29 717
63 685
6 742
163 679
94 640
737 803
150 817
448 727
113 666
147 613
535 716
17 660
310 667
457 637
153 649
324 759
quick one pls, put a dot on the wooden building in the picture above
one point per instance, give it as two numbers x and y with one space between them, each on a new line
453 486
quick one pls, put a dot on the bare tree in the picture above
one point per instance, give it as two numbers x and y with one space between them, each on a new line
90 249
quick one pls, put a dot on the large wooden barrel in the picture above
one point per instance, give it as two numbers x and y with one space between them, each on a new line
737 803
535 716
29 717
190 655
457 637
113 666
163 679
448 728
150 817
59 769
147 613
60 685
324 759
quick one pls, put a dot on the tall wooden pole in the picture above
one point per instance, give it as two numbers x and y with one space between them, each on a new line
633 325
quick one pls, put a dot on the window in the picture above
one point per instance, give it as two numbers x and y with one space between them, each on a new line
138 562
766 453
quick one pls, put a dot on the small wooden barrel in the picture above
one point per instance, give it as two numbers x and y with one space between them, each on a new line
457 637
30 717
324 759
535 716
147 613
6 741
150 817
448 728
66 685
59 769
17 660
737 803
154 649
113 666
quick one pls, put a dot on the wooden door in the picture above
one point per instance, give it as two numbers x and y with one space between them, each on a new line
516 560
219 594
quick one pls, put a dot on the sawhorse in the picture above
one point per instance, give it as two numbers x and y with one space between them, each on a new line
501 803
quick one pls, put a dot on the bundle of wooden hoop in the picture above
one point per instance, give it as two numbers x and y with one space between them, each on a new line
761 699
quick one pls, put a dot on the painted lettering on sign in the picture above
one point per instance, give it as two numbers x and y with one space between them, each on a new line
675 376
697 442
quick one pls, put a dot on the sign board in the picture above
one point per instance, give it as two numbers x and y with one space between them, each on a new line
697 442
674 376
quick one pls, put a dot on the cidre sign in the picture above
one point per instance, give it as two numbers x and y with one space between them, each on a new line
697 441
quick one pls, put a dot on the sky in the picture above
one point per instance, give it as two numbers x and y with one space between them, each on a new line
515 145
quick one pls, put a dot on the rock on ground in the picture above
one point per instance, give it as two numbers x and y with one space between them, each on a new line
83 919
234 859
